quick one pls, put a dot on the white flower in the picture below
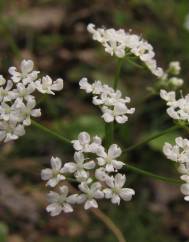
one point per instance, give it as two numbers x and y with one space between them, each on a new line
178 152
5 92
111 102
85 85
60 201
79 167
55 174
118 113
7 112
119 42
90 194
46 85
24 112
101 174
116 191
27 75
22 92
108 160
10 130
177 109
85 144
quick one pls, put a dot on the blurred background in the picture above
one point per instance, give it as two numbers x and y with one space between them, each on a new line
53 34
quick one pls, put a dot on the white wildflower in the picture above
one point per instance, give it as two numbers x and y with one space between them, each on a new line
27 75
54 175
80 167
60 201
90 194
108 160
46 85
115 190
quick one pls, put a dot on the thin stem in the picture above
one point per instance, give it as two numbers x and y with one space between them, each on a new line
110 224
51 132
109 133
109 127
157 177
118 71
145 141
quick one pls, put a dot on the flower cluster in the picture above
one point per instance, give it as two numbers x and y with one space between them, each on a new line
113 106
177 109
169 80
17 102
180 154
96 172
119 42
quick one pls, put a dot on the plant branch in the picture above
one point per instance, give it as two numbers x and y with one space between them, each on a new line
110 224
145 141
150 174
51 132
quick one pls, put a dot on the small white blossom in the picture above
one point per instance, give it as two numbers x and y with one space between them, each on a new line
10 131
80 167
27 75
177 109
55 174
85 144
60 202
90 194
116 192
46 85
24 112
180 153
108 160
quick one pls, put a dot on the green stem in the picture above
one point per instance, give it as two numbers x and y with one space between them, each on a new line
109 134
118 71
157 177
109 127
110 224
51 132
145 141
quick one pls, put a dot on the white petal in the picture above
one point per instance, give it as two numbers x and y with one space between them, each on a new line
46 174
54 209
67 208
114 151
120 180
126 194
69 167
56 163
115 199
91 204
89 165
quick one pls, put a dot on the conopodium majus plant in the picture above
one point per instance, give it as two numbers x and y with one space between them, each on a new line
96 169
